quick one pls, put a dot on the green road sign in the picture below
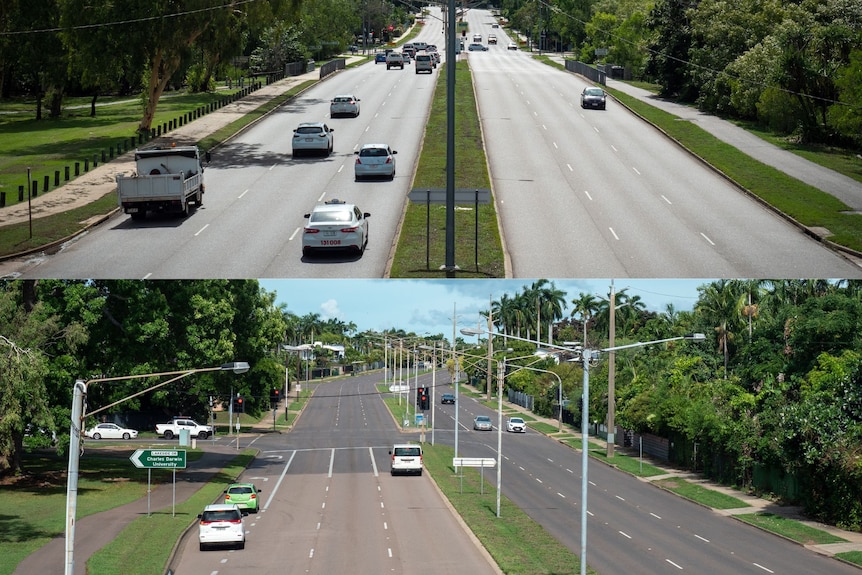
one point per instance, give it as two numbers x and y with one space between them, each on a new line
159 458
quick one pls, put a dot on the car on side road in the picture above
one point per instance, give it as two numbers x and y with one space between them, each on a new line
313 137
483 423
492 38
425 63
335 225
406 458
374 161
221 524
344 105
447 398
380 57
476 47
394 60
516 425
512 46
110 431
243 495
593 97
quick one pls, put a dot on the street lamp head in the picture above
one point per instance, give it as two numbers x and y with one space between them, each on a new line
471 331
235 366
694 336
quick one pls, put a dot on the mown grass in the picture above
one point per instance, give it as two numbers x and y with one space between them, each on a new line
421 249
631 465
790 528
700 494
517 544
854 557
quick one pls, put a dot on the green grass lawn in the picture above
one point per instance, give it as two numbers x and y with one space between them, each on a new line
700 494
790 528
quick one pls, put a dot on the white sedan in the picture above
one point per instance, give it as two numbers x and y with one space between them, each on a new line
375 161
110 431
516 425
335 225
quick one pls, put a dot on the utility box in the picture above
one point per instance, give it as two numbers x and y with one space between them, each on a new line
185 437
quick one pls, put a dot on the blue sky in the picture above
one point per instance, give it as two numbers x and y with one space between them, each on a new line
428 306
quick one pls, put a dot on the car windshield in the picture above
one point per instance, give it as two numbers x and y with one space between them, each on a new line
483 418
240 490
309 130
225 515
373 152
595 92
344 100
516 420
407 451
330 216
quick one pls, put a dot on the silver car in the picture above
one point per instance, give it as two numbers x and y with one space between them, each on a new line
374 161
335 225
483 423
344 105
313 137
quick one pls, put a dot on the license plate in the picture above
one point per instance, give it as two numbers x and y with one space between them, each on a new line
330 242
309 139
132 210
329 234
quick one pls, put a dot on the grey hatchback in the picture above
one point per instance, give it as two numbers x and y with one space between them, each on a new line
593 97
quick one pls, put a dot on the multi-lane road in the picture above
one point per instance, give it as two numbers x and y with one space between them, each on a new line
330 505
579 193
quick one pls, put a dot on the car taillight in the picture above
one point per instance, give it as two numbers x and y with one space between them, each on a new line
254 496
234 521
311 230
388 159
358 160
348 230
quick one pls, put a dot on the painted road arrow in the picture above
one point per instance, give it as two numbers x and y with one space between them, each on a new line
159 458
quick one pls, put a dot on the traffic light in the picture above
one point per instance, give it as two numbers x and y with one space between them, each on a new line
419 392
425 402
273 398
239 405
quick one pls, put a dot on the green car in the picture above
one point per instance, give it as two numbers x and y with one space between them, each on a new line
243 495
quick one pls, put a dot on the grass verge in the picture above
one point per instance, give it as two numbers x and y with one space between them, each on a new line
790 528
854 557
700 494
421 249
516 542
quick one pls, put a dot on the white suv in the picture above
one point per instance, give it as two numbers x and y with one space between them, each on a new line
313 137
221 524
406 458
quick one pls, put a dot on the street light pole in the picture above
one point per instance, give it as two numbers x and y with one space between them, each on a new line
76 429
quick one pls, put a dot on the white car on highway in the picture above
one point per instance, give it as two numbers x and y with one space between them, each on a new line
313 137
344 105
516 425
221 524
335 225
374 161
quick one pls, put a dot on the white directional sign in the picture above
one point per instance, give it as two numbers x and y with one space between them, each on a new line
159 458
473 462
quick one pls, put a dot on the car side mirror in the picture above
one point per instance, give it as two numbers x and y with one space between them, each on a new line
366 215
307 216
356 152
394 151
244 513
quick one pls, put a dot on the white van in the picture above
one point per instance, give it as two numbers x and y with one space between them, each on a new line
406 458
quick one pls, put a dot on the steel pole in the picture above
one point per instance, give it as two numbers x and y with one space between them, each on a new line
584 457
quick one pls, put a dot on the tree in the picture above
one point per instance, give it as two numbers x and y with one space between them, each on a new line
718 304
29 329
669 47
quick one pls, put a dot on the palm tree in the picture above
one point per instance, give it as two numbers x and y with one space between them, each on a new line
586 306
718 306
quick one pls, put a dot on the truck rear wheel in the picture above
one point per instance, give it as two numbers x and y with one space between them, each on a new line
169 434
203 435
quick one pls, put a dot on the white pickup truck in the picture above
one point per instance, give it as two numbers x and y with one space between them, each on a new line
168 179
172 428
